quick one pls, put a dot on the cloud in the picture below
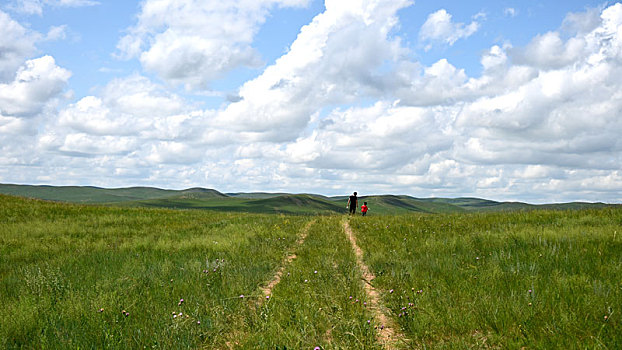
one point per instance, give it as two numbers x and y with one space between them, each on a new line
335 59
521 125
131 120
510 12
346 108
57 33
582 22
35 85
550 51
542 121
16 44
194 42
35 7
439 27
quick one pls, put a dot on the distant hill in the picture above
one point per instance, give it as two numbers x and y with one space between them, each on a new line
261 202
97 195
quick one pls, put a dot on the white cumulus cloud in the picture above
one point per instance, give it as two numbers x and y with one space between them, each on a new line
345 108
439 27
334 59
36 83
16 44
193 42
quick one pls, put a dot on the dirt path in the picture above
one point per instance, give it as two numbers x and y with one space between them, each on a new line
231 340
267 290
387 335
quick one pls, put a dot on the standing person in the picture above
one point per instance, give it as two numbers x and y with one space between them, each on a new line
353 203
364 208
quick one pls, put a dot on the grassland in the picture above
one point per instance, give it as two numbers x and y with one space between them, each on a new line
93 277
541 279
76 276
269 203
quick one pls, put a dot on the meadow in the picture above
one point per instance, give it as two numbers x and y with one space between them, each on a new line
77 276
539 279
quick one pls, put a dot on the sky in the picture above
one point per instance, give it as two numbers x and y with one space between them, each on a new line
510 100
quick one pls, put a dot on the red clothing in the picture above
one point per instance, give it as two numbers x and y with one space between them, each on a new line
364 208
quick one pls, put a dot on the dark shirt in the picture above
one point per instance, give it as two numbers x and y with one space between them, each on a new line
353 201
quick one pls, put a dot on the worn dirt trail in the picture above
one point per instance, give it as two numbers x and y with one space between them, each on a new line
267 290
388 334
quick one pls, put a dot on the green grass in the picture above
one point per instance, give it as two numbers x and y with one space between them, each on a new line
61 264
541 279
320 300
536 279
285 204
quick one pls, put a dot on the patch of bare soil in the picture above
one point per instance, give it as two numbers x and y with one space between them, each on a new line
267 290
388 334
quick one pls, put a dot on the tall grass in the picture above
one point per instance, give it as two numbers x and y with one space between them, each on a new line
320 300
90 277
540 279
97 277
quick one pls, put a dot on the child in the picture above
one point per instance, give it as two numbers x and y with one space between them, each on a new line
364 208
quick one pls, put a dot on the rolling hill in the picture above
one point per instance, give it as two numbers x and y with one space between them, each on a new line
261 202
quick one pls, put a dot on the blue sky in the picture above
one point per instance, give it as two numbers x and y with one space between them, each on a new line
507 100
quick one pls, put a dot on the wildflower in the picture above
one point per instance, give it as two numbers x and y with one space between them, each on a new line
198 322
315 271
530 291
174 316
368 321
350 297
606 317
241 296
364 303
306 281
267 297
101 310
477 258
391 291
317 348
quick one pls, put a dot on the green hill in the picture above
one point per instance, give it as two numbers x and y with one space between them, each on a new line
261 202
391 204
284 204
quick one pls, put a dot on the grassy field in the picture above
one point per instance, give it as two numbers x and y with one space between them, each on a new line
269 203
74 276
89 277
541 279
